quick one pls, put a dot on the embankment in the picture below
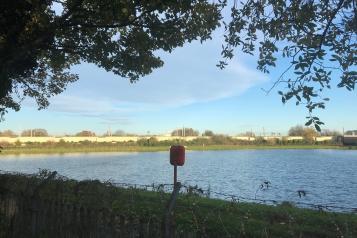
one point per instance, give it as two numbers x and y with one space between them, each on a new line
48 205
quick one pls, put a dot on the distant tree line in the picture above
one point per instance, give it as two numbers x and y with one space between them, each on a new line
85 133
308 133
185 132
208 133
219 140
35 132
248 133
39 132
8 133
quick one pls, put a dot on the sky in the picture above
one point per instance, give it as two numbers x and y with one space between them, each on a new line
189 90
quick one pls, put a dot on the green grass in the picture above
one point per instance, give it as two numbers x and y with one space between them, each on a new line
120 148
197 215
80 149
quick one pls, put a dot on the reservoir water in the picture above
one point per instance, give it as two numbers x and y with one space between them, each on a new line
326 176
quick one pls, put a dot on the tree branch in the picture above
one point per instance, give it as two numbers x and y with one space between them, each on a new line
322 39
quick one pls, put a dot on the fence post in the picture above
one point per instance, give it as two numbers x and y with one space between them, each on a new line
169 211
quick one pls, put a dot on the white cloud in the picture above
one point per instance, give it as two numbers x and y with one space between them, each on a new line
188 76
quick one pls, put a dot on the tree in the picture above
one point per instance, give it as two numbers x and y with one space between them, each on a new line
296 131
317 38
185 132
119 133
8 133
35 132
222 140
208 133
309 134
191 132
248 133
152 141
327 132
39 45
85 133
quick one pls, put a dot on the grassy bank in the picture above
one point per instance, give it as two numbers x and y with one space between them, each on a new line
115 148
194 215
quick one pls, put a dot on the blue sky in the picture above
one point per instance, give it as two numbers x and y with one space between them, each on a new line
189 90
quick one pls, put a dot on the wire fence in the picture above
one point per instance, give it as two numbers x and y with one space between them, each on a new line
194 189
190 189
85 209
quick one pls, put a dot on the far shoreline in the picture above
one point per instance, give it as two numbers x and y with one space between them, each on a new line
98 149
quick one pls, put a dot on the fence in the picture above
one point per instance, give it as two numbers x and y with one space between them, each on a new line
25 213
41 207
44 218
234 198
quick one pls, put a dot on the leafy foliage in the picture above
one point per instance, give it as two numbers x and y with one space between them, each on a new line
86 133
208 133
152 141
296 131
307 133
119 133
317 38
38 46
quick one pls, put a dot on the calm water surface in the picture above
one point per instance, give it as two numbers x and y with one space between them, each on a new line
328 176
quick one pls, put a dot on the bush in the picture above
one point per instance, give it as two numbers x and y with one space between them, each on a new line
152 141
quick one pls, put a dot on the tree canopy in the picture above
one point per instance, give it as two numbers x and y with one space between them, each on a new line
307 133
39 45
7 133
208 133
317 38
327 132
85 133
297 130
35 132
185 132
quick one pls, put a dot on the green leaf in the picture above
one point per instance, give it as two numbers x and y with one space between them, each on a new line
309 122
317 127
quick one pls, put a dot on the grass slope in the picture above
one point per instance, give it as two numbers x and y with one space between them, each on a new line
200 217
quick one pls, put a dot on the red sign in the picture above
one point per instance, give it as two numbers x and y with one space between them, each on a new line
177 155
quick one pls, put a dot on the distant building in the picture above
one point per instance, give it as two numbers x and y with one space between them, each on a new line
348 139
351 133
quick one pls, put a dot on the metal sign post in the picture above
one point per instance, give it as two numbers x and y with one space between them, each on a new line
175 175
177 158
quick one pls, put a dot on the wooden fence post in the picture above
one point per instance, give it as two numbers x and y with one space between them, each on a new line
169 212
